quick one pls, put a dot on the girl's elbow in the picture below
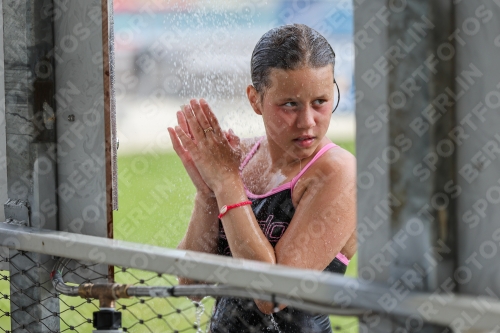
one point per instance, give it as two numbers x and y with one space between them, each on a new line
185 282
196 299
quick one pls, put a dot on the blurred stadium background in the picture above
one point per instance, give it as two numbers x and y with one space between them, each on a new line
170 51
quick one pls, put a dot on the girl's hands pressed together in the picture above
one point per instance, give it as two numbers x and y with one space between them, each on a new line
207 152
186 158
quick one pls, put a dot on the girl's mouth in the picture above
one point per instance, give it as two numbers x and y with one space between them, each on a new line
304 141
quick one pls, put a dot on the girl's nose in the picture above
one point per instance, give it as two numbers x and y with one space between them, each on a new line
306 118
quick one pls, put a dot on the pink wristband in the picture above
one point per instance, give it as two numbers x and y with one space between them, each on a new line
224 209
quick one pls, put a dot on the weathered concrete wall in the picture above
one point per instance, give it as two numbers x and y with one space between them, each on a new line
30 142
405 218
478 115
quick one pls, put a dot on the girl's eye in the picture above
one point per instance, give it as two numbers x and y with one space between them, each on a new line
290 104
319 101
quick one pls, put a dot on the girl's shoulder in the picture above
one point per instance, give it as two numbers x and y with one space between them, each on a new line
334 163
335 167
329 159
338 156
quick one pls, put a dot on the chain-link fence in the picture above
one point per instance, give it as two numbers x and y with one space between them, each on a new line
4 299
26 299
141 314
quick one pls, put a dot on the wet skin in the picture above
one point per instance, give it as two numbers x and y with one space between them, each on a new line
296 111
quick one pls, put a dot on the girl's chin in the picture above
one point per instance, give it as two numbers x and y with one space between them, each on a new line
301 153
299 149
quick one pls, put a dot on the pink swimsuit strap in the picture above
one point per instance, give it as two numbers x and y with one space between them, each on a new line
290 184
256 146
251 153
311 162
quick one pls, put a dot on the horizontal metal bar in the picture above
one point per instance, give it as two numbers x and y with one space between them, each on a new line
319 288
229 291
200 290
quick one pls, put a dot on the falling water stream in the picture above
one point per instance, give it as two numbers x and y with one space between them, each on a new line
276 327
200 310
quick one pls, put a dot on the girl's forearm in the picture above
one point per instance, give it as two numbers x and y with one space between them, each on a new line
245 238
202 232
243 233
203 227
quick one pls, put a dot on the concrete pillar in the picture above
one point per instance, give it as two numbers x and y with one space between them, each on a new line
478 116
31 159
406 177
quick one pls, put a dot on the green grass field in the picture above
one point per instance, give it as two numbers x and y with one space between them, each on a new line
155 198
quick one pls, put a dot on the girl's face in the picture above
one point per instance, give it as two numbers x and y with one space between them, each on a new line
296 109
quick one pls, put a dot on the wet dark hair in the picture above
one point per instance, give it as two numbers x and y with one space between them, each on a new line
288 47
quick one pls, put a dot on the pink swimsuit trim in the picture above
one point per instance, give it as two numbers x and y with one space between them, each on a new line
251 153
315 158
291 184
343 259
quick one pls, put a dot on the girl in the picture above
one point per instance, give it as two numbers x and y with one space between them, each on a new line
287 198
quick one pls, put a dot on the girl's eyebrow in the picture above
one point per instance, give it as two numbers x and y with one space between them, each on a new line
287 98
294 98
324 96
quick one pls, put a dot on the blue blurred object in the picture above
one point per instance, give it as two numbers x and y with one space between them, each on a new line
180 51
327 17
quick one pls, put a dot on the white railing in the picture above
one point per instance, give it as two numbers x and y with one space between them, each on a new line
313 290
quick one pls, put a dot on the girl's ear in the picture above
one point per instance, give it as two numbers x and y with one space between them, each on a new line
254 99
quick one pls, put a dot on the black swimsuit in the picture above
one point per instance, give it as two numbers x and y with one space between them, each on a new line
273 211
